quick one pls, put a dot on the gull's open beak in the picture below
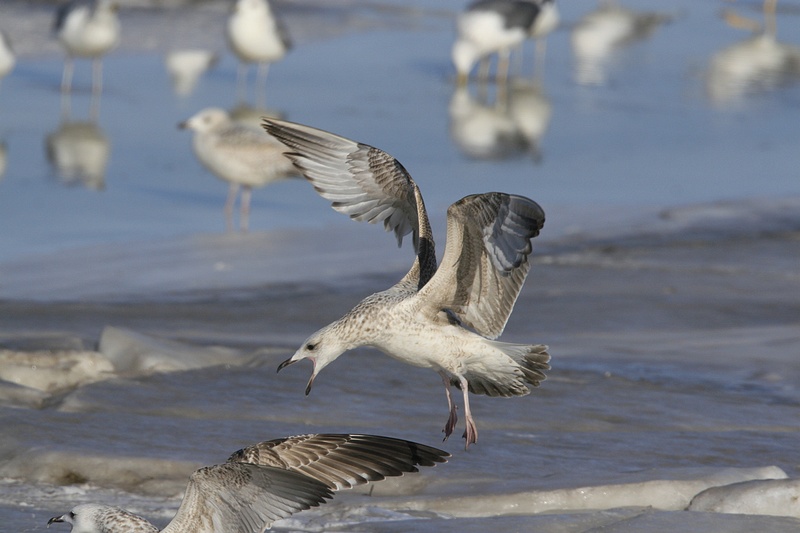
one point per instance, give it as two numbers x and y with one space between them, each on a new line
291 361
55 519
286 363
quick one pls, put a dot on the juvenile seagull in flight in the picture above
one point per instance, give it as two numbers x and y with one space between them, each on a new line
443 318
266 482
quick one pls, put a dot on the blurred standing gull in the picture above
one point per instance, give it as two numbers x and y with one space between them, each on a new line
244 157
495 27
255 35
266 482
90 29
440 318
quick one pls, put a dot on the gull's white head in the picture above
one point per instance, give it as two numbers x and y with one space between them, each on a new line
95 518
206 120
322 348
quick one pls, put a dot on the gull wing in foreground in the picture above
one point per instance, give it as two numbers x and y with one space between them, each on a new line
243 498
341 460
266 482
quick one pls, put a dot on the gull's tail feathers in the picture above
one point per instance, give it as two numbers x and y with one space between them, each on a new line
530 361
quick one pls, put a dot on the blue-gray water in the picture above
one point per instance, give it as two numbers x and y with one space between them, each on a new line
141 340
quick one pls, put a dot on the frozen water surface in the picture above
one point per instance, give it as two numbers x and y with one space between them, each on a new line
138 341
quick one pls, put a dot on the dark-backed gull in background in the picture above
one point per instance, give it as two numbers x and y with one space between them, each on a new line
490 27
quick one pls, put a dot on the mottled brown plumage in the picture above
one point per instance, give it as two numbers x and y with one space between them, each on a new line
268 481
341 461
442 318
241 155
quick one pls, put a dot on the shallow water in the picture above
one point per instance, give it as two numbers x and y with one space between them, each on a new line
141 341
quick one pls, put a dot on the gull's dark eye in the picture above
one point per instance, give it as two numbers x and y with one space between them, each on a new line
71 514
311 347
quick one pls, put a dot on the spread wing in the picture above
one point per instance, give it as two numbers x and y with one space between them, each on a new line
244 498
340 460
485 261
362 182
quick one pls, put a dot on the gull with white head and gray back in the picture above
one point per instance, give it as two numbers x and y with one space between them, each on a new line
266 482
90 29
256 34
443 318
